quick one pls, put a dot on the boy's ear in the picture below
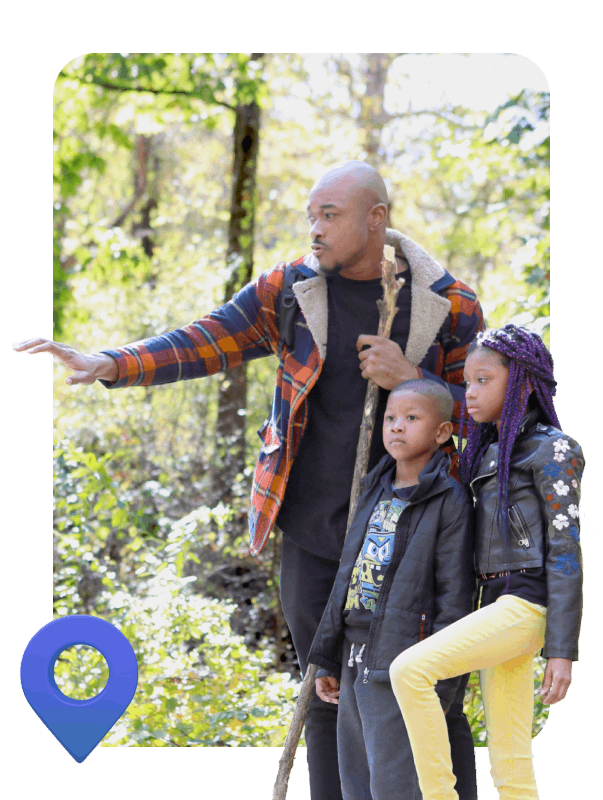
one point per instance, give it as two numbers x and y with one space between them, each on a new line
444 432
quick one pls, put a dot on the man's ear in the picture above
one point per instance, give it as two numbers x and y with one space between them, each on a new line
379 214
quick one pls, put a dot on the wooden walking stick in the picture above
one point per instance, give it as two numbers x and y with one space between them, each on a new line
387 312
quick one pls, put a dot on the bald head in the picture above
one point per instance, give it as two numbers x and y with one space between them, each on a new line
347 211
358 178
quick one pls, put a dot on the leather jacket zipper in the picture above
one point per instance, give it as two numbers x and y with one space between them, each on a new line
478 478
518 527
422 632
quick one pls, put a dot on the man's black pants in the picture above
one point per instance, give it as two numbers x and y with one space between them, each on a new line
306 582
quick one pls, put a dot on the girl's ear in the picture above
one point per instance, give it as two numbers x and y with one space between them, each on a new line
530 390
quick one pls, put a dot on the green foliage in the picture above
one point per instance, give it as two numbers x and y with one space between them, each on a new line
99 92
485 207
521 116
81 672
199 683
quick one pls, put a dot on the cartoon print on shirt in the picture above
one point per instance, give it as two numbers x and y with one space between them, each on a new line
375 555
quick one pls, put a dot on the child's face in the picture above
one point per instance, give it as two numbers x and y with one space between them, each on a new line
486 380
412 426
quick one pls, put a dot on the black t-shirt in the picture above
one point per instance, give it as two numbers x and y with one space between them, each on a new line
315 507
528 583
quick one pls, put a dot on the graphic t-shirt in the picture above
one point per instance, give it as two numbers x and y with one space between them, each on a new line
372 562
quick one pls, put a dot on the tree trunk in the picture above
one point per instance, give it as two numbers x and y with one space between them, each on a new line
229 457
373 116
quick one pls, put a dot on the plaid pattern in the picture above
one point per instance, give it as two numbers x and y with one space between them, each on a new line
247 328
445 360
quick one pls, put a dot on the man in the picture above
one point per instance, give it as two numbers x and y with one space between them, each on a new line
304 472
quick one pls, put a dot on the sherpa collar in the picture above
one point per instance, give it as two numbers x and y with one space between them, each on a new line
428 309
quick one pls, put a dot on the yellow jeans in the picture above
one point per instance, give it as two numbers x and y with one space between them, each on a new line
500 641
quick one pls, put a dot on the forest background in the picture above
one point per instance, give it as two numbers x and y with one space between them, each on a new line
178 178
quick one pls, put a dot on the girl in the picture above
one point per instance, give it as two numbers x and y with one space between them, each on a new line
524 475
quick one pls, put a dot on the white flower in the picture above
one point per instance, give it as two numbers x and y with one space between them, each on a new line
575 483
560 521
561 446
561 488
573 511
559 457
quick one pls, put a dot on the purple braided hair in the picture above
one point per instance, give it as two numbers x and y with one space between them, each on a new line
529 362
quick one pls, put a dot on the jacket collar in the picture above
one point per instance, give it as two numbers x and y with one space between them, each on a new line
428 310
432 478
528 422
525 426
490 461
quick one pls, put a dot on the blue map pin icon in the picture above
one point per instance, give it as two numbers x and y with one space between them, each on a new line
79 725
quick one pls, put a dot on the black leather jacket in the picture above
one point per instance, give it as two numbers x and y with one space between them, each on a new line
543 530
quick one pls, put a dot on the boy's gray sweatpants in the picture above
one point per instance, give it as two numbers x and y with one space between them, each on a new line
375 759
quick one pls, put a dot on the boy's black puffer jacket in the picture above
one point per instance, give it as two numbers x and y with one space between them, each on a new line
429 583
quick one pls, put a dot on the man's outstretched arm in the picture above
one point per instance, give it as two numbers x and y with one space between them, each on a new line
243 329
86 368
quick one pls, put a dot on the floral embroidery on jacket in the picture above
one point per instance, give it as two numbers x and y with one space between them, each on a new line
560 488
551 470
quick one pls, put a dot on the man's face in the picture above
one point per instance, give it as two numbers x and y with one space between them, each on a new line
339 229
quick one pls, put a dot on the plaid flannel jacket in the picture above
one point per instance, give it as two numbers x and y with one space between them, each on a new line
246 328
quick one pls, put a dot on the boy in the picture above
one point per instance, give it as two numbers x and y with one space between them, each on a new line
405 572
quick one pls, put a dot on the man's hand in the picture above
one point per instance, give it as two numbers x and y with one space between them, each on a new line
384 362
557 678
86 368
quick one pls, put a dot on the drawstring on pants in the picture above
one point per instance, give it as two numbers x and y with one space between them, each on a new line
358 656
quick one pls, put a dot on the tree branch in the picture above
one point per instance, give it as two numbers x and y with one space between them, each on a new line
117 88
433 113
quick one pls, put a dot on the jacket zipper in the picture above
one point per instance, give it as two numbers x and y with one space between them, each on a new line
479 477
359 656
389 577
381 593
519 529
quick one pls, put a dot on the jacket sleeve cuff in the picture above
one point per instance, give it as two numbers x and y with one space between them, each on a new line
326 673
127 365
330 667
560 653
